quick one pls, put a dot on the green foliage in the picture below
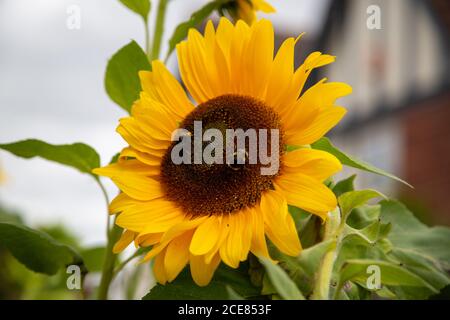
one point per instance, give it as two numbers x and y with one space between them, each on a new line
196 18
391 274
280 280
37 250
114 158
344 186
9 216
93 258
353 199
184 288
122 79
324 144
141 7
233 295
78 155
414 259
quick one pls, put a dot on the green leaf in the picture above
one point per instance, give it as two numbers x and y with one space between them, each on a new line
391 274
196 18
93 258
115 158
363 216
184 288
233 295
77 155
371 233
353 199
141 7
410 235
285 287
309 259
389 232
302 269
10 216
122 75
325 145
344 186
36 250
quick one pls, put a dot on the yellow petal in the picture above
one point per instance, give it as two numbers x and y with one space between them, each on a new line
162 86
221 237
258 59
147 137
263 6
124 241
237 244
202 272
158 268
307 193
155 251
258 244
314 163
150 217
139 187
148 159
314 60
281 90
206 236
314 114
193 67
177 255
324 121
146 240
121 203
181 227
280 226
125 168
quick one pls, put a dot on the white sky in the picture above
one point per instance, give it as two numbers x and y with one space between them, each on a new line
51 88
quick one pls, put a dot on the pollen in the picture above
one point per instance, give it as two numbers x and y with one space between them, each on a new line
222 188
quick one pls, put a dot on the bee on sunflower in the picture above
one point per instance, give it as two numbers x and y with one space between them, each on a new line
202 214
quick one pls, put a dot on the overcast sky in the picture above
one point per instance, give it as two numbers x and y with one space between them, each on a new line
51 88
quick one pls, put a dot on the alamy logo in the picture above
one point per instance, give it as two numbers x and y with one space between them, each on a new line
74 280
373 21
73 21
374 279
251 146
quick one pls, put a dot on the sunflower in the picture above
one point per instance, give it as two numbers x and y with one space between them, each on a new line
200 214
246 9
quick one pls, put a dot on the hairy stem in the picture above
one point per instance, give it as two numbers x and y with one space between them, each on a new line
333 230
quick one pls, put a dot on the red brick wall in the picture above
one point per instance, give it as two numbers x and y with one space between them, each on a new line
427 159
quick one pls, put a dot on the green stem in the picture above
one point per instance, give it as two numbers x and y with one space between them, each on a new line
159 29
126 261
109 262
147 38
106 197
333 230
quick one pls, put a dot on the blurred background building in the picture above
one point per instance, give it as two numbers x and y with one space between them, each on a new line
399 112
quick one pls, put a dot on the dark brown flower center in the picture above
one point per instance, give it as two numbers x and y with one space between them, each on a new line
217 188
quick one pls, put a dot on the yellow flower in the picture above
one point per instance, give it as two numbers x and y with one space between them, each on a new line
246 9
201 214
